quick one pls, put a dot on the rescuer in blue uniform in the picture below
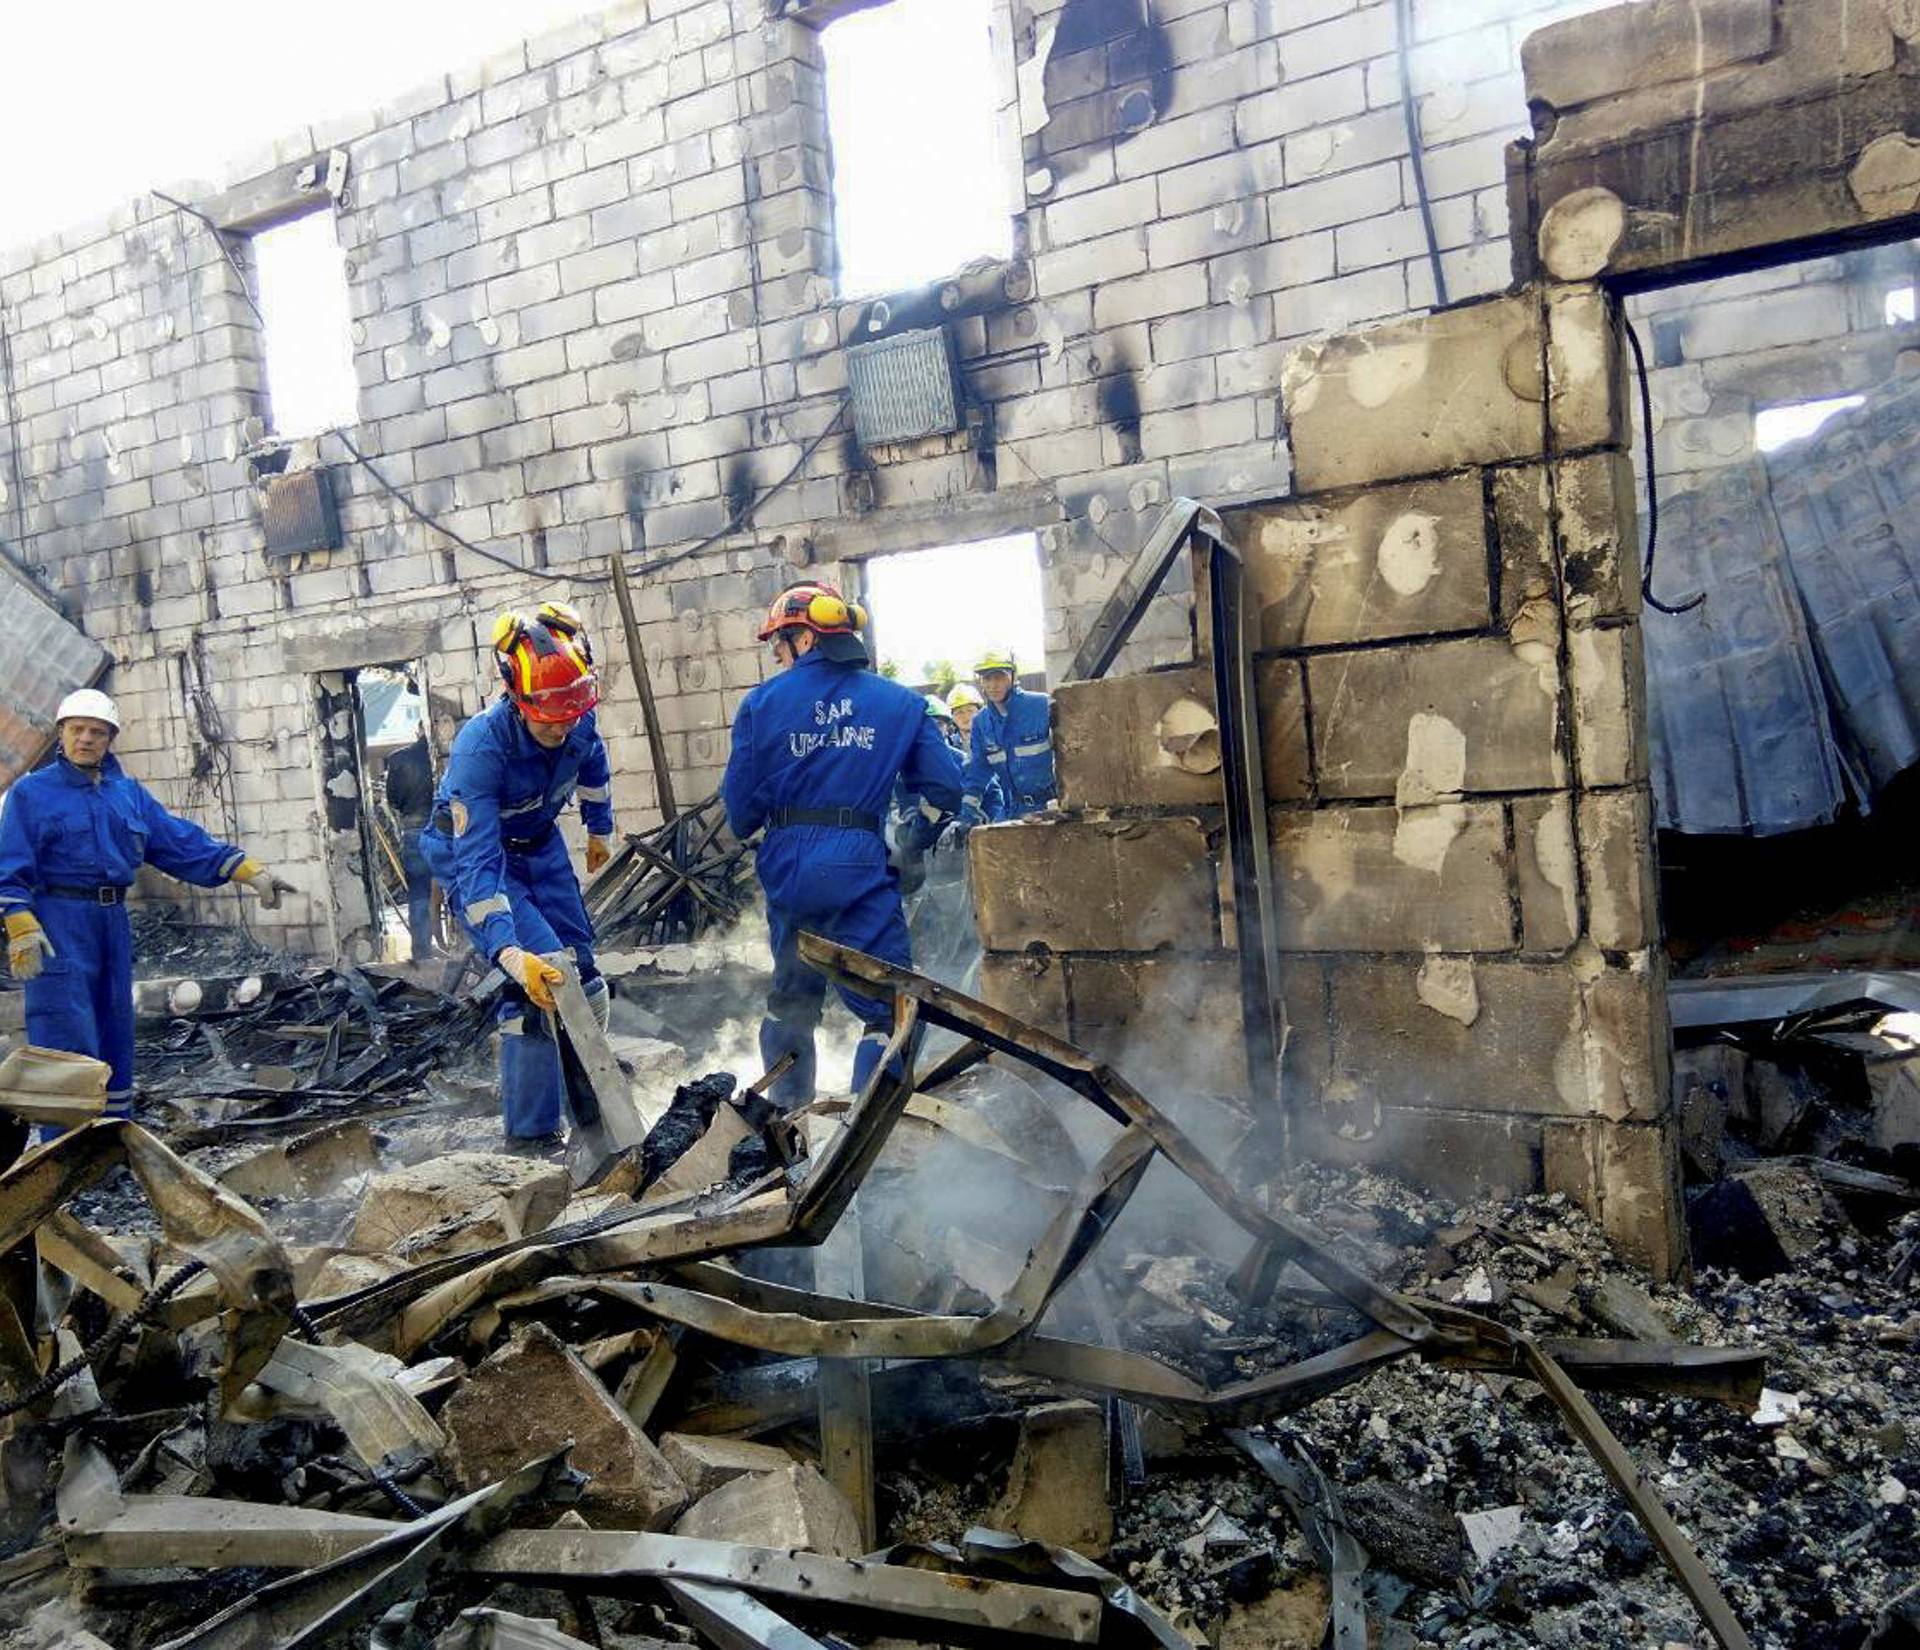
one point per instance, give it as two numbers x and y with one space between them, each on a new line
494 844
816 752
1011 741
71 838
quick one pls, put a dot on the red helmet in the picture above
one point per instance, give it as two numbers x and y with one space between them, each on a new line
547 663
816 607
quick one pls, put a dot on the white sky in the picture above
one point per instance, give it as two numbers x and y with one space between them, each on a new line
103 100
955 602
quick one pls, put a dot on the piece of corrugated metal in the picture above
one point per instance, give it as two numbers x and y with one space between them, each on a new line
43 658
1741 734
902 387
1853 543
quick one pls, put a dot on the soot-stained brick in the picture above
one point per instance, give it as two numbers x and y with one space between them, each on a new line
1120 407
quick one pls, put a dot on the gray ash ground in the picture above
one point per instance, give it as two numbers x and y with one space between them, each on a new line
1807 1521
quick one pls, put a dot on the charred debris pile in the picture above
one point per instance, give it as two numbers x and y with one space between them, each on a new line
992 1353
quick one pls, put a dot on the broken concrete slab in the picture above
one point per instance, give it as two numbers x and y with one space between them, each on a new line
1057 1487
1406 560
458 1203
794 1508
1093 885
311 1165
1895 1087
535 1395
1760 1221
704 1464
1423 722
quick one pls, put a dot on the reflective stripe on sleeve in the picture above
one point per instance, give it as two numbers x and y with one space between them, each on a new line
595 793
999 756
493 905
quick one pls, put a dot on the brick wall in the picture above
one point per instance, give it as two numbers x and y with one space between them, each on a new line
592 288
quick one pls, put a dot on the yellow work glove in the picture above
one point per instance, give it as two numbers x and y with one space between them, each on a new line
535 977
263 882
599 851
27 945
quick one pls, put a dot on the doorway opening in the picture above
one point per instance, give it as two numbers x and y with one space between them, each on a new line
379 768
936 612
1784 705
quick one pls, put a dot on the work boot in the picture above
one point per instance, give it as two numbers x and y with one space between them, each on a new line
548 1148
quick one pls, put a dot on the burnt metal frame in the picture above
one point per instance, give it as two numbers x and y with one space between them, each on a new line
1187 523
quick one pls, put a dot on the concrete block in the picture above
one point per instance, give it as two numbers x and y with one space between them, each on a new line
1608 682
704 1464
1460 1155
795 1509
1586 371
1171 1022
1597 498
1057 1488
1087 885
1625 48
457 1203
1415 397
1137 741
1546 872
1424 722
1031 988
1483 1034
535 1395
1433 877
1617 857
1627 1176
1397 561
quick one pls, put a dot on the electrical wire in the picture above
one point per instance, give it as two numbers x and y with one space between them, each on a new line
104 1344
734 523
1403 35
303 1321
1653 484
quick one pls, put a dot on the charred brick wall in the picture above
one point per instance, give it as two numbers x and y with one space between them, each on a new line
594 310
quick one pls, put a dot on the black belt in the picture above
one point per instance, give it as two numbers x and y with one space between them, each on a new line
443 824
105 893
846 819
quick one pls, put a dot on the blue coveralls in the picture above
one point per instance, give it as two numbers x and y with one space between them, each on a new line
1011 743
71 840
824 736
495 846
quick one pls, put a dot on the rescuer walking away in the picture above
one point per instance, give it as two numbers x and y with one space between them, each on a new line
494 844
816 752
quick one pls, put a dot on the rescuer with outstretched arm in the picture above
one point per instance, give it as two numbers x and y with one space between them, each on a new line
494 844
816 751
71 838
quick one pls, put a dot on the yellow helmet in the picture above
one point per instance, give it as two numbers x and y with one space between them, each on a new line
963 695
995 658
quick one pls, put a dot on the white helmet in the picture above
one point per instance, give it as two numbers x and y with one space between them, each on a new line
89 702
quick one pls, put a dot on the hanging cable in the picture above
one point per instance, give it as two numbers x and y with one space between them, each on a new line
734 523
1403 34
1653 485
105 1343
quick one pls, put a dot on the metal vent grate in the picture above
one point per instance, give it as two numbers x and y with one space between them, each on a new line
902 387
300 513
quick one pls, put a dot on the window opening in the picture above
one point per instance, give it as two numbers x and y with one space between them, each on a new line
1774 427
936 611
918 181
302 278
1899 306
